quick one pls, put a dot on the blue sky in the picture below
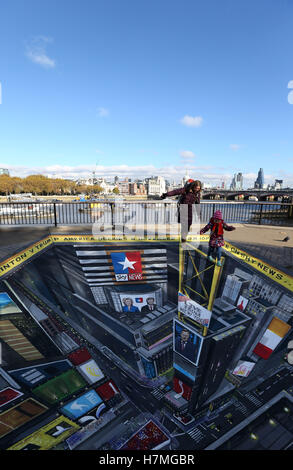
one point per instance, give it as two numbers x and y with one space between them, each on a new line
145 88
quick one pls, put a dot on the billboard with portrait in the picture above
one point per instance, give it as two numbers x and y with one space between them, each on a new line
143 303
187 342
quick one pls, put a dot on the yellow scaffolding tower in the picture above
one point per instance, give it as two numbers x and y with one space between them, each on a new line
209 293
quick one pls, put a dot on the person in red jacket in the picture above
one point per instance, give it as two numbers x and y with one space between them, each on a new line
217 226
189 195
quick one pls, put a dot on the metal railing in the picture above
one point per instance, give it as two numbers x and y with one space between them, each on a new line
106 212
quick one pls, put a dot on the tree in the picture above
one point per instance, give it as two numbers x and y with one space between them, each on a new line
6 184
115 190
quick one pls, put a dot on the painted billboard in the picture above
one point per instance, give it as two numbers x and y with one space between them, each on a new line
193 310
187 342
60 387
19 415
80 356
91 371
108 390
33 376
47 436
127 266
144 303
7 305
243 368
241 303
276 331
8 394
81 405
181 389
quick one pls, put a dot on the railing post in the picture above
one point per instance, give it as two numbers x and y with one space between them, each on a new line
55 214
260 214
112 214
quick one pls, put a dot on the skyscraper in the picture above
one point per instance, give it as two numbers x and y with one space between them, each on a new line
237 182
259 182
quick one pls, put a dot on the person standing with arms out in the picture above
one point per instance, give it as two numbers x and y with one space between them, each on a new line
217 226
189 195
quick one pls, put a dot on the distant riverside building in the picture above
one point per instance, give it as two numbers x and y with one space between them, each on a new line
100 181
278 184
237 182
123 186
172 185
137 189
4 171
259 182
156 185
185 178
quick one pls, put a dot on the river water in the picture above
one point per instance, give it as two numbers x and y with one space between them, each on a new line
151 212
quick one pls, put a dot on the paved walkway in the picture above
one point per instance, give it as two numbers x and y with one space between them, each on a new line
262 241
265 242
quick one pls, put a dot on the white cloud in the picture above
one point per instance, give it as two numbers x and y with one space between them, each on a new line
187 154
290 84
36 52
234 147
191 121
103 112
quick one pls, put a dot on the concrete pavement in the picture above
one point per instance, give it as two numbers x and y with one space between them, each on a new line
262 241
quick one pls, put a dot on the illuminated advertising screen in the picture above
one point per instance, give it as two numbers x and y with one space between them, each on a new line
60 387
181 389
149 437
80 356
193 310
81 405
48 436
187 342
149 368
91 371
127 266
33 376
243 368
8 394
19 415
144 303
7 305
241 303
274 334
107 390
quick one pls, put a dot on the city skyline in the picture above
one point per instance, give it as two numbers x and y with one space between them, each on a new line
159 85
236 181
